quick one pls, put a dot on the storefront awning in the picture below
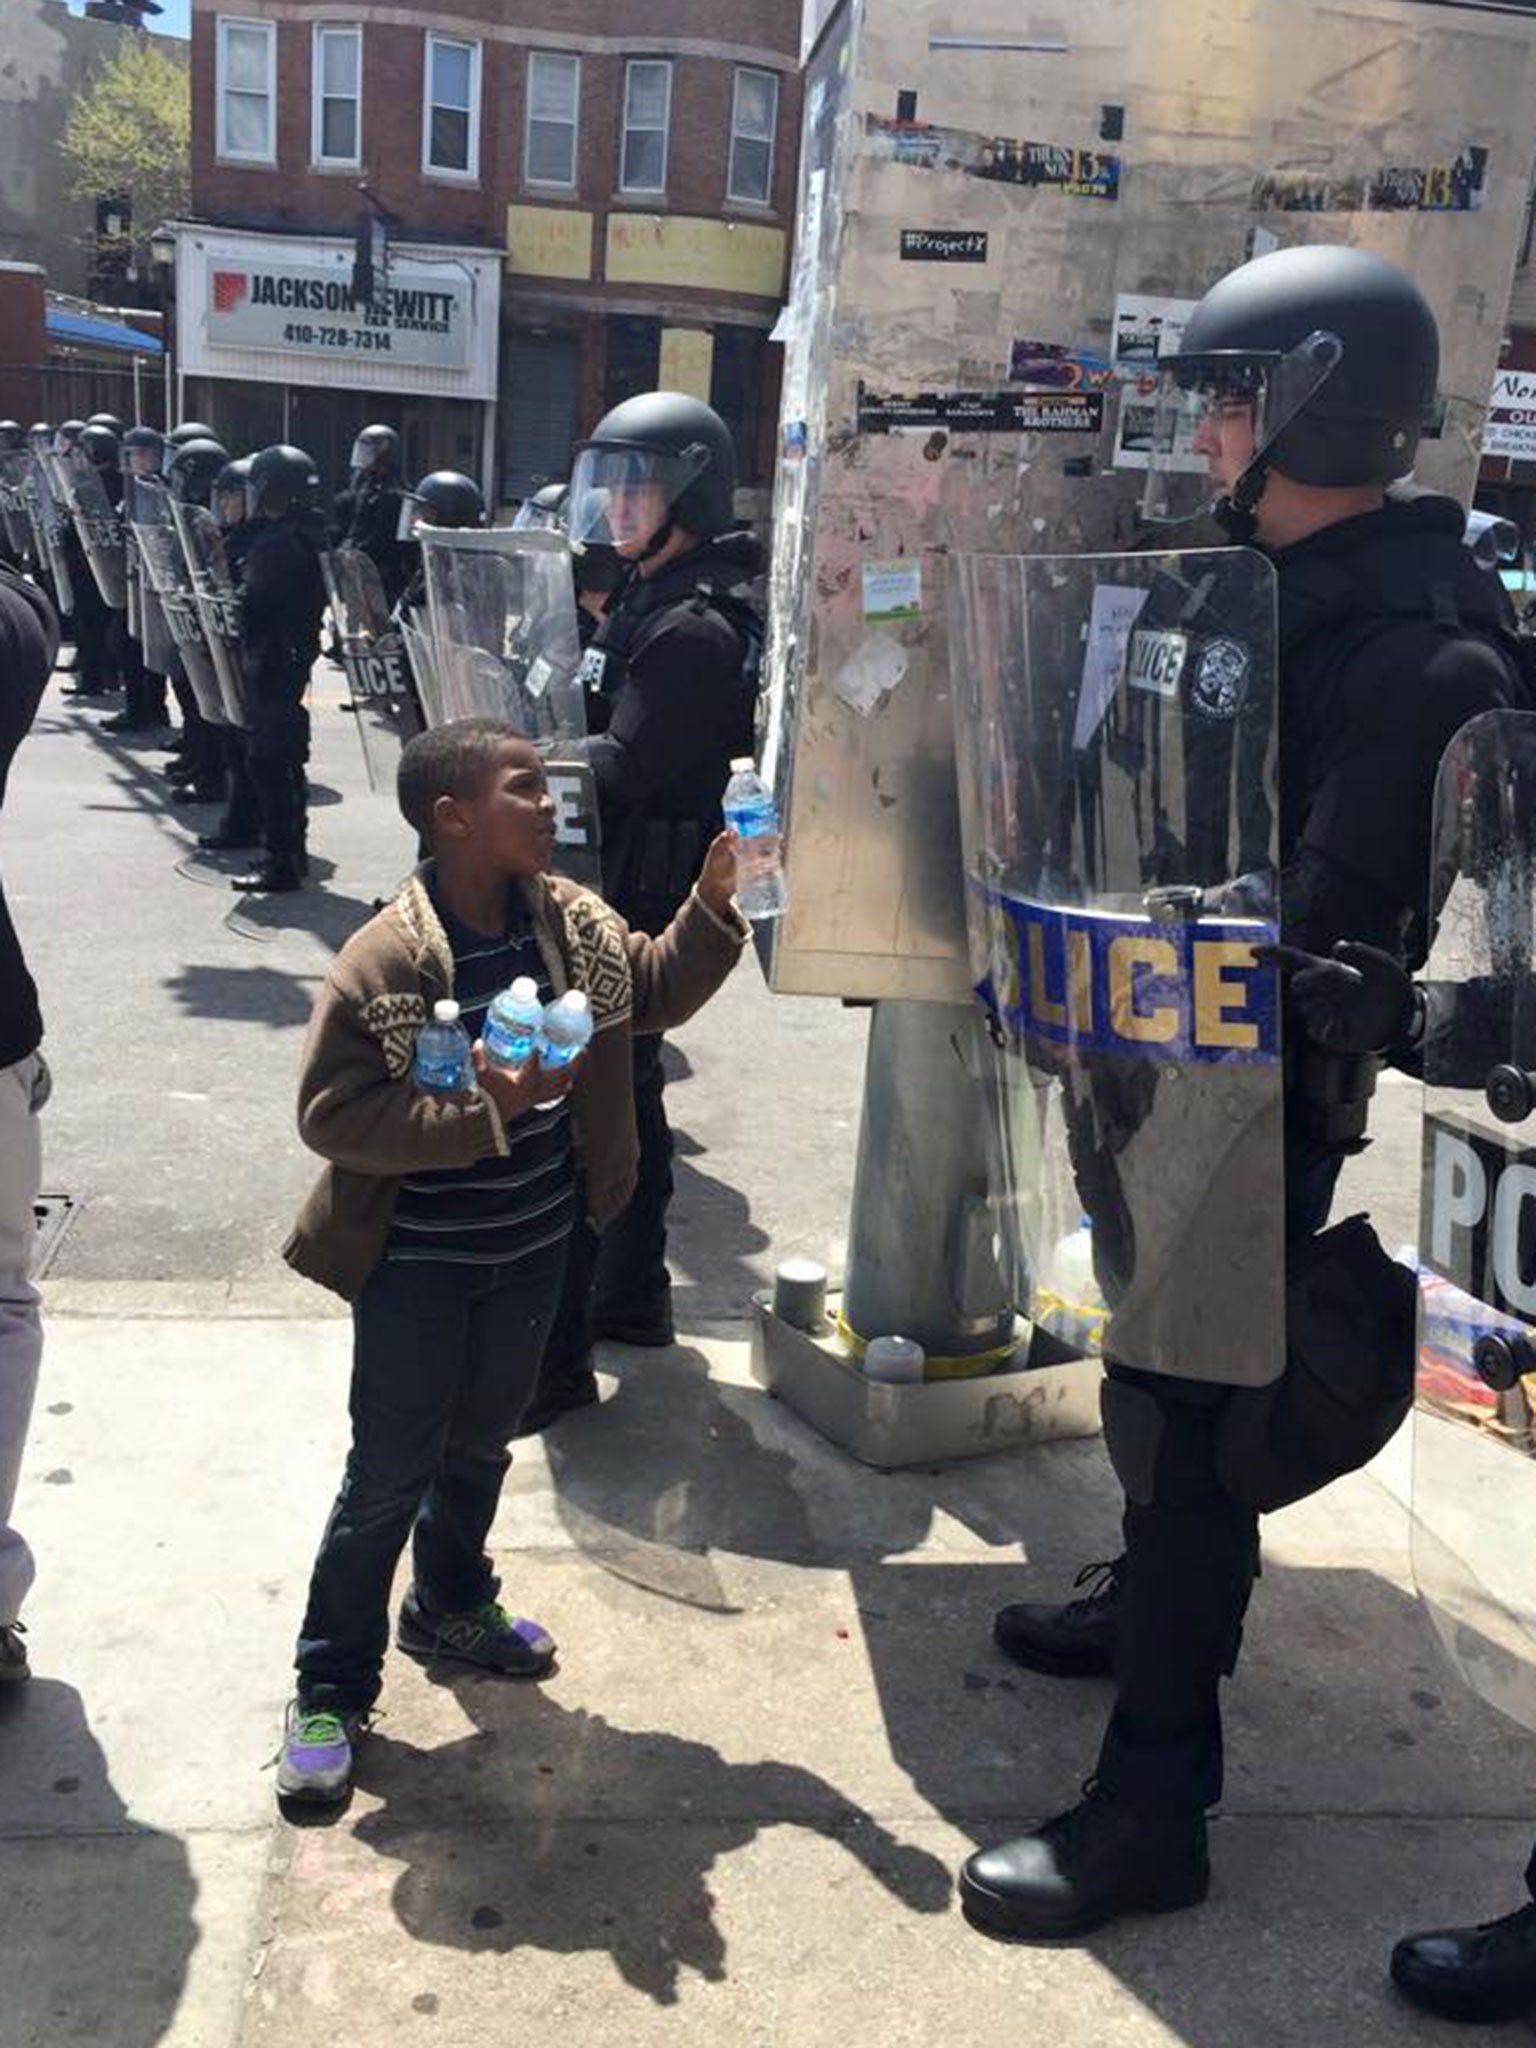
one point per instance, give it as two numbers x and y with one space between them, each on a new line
91 333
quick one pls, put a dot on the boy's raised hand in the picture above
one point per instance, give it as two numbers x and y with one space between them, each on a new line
517 1090
717 879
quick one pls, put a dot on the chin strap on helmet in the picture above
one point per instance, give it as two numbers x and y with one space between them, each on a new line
1237 513
657 541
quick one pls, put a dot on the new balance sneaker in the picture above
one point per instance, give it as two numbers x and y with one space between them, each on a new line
486 1636
315 1767
13 1654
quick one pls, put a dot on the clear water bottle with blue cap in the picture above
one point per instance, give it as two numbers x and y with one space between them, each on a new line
444 1064
567 1029
761 890
514 1025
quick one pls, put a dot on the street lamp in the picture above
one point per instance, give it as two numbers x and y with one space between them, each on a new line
162 255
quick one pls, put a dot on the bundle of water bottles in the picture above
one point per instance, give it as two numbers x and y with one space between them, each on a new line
517 1026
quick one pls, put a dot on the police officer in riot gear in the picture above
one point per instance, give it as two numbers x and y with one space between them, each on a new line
1309 373
13 440
445 497
240 826
282 599
100 442
671 688
198 763
368 512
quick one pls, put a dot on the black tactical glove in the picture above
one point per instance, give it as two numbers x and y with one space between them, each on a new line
1359 1001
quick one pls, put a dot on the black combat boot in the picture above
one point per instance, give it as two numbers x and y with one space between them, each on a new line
1103 1858
1074 1641
1484 1973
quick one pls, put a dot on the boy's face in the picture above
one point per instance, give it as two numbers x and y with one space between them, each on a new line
509 823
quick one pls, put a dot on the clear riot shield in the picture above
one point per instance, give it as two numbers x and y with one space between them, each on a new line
147 506
168 576
1116 746
501 619
14 465
50 518
97 524
218 606
1474 1435
378 665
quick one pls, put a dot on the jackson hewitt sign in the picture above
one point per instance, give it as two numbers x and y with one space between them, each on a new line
310 308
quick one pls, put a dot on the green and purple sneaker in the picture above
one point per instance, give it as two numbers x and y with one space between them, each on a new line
486 1636
315 1766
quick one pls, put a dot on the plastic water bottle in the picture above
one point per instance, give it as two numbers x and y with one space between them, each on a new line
567 1029
514 1025
444 1064
750 812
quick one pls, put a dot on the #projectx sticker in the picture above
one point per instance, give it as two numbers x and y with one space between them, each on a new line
942 245
1456 187
983 412
1044 166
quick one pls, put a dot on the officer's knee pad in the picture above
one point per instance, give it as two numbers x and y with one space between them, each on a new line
1348 1378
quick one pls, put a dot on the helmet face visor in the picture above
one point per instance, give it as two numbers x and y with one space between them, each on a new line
1210 419
622 497
412 512
229 505
144 461
531 517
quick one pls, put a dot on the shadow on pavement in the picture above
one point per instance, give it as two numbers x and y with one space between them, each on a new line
246 995
98 1913
567 1885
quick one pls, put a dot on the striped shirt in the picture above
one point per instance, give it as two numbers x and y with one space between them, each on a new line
499 1210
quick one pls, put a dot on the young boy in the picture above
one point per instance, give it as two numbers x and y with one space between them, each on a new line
444 1219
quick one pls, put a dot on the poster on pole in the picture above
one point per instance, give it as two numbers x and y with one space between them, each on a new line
1510 428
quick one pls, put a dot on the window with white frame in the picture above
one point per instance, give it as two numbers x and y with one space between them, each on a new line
554 101
754 120
647 112
247 90
450 141
338 91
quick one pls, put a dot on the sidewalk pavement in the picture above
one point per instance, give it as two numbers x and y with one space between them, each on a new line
734 1813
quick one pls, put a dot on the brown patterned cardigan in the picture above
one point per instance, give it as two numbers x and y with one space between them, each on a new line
361 1111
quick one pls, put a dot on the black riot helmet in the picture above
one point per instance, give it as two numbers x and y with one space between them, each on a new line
375 452
445 498
544 511
1336 350
12 436
655 462
40 437
144 451
109 420
283 480
194 468
100 446
190 430
65 436
229 486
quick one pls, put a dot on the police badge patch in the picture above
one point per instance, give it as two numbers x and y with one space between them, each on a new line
1221 678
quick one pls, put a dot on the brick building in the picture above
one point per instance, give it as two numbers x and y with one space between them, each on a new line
576 211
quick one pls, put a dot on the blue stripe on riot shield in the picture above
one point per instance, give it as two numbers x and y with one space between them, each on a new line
1187 992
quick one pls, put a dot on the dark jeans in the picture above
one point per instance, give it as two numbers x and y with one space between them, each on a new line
1191 1557
444 1361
